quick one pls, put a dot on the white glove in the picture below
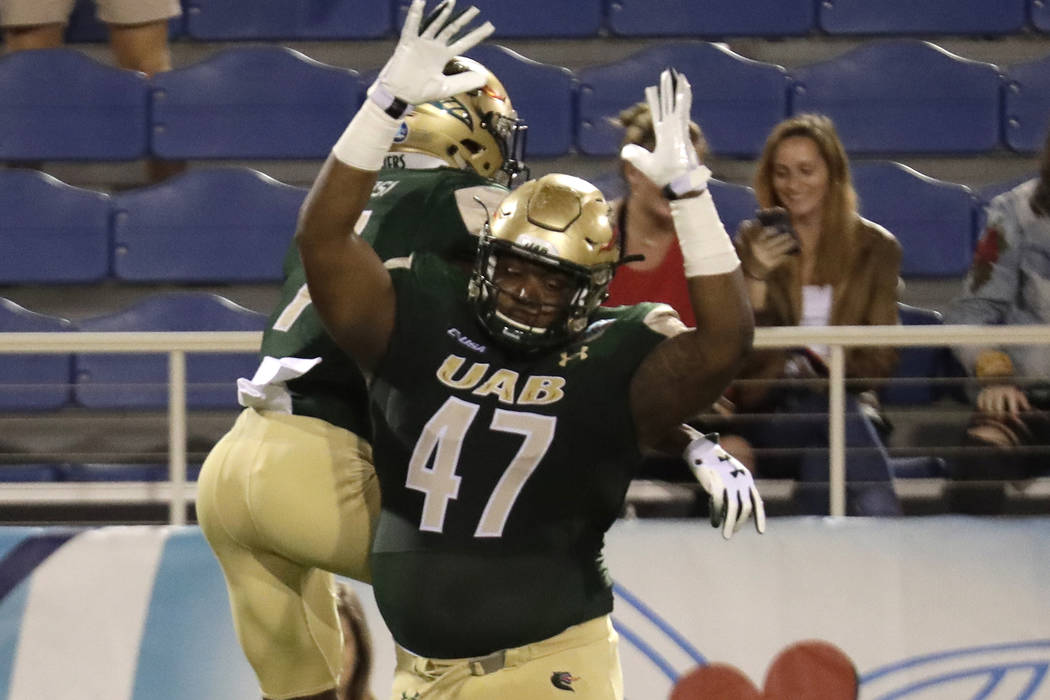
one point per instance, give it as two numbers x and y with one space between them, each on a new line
673 163
733 496
414 74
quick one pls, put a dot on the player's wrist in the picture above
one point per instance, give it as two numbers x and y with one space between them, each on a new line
392 105
705 245
366 140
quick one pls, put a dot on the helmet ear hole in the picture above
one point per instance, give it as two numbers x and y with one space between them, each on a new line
471 145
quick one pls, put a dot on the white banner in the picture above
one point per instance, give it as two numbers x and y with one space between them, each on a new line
944 608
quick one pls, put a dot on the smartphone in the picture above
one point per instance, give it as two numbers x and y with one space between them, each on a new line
778 218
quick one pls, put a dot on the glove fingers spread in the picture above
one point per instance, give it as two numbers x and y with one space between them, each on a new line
652 98
415 13
472 39
457 23
463 82
732 514
436 20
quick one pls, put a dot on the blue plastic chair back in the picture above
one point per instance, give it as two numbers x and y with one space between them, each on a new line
232 20
541 93
215 225
736 101
1026 106
932 219
29 473
899 17
916 363
735 203
130 381
711 18
29 381
904 96
540 19
1040 13
252 102
51 232
103 471
58 104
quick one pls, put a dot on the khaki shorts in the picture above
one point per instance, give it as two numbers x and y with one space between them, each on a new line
284 501
19 13
582 663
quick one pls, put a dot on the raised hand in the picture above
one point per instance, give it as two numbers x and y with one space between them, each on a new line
729 485
673 163
414 74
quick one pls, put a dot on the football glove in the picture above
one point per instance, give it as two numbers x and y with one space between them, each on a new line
414 74
733 497
673 163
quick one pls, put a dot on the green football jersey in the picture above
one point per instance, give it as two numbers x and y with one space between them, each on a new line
500 472
410 209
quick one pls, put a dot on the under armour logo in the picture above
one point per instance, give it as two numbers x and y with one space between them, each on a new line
724 457
406 696
579 355
736 472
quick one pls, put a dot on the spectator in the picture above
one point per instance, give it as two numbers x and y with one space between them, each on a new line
138 37
507 420
825 265
299 458
1008 283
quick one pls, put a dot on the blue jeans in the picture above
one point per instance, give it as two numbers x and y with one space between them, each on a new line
796 435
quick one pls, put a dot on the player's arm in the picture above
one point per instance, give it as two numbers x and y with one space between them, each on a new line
687 373
348 283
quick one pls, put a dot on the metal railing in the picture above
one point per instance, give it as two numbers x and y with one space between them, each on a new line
176 344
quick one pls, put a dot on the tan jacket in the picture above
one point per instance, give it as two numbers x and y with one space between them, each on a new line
866 295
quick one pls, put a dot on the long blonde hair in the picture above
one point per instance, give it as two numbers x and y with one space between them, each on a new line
839 220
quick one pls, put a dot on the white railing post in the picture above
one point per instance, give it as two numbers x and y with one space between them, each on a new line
177 437
837 431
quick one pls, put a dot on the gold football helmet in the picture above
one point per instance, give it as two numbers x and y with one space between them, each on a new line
560 222
477 130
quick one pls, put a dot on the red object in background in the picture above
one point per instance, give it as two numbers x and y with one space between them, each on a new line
808 670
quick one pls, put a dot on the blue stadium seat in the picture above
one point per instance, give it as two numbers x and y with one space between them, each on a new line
215 225
898 17
51 232
84 26
711 18
542 94
252 102
1040 12
540 19
1026 105
736 101
735 203
232 20
904 96
58 104
121 472
140 381
33 382
23 473
932 219
916 363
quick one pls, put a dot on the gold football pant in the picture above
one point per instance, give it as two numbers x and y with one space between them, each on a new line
584 660
283 501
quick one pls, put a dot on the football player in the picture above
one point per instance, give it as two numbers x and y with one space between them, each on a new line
288 495
507 421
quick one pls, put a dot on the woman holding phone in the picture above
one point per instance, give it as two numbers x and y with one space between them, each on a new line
810 259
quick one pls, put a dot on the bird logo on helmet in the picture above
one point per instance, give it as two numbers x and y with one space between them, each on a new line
562 223
477 130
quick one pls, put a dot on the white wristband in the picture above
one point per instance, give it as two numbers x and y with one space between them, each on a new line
706 247
367 138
